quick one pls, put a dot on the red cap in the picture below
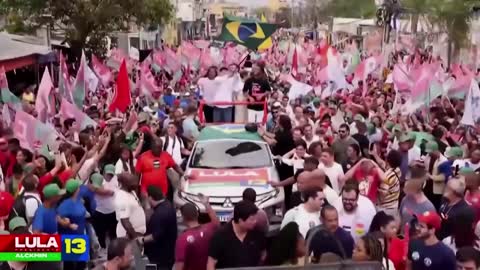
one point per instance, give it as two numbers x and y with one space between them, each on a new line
6 203
144 129
430 218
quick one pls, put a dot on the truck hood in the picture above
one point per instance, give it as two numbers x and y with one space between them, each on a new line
229 182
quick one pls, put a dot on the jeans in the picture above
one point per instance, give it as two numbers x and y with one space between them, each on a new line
222 115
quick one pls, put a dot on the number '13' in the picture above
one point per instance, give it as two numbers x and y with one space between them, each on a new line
79 246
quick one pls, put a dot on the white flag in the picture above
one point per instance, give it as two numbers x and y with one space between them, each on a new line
471 113
91 78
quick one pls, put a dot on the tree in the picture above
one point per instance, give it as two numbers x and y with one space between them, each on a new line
452 16
86 23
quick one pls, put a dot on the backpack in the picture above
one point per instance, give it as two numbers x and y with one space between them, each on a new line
19 206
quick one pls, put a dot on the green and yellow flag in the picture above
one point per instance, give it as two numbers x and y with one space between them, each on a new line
246 32
267 44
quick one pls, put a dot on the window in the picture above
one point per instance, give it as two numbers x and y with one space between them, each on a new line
230 154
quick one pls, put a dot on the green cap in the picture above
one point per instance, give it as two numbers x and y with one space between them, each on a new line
466 170
454 152
72 185
358 117
52 190
407 137
397 128
109 169
97 179
389 125
370 128
431 147
28 168
16 222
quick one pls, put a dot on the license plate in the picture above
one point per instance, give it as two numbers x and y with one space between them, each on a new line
224 216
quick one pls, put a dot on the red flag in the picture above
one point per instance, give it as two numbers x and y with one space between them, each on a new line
121 98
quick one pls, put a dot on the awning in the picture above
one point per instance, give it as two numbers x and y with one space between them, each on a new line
15 54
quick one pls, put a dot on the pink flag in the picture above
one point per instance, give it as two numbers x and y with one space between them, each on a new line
68 110
45 102
206 60
102 71
367 67
64 81
401 79
201 44
32 133
463 79
423 78
147 82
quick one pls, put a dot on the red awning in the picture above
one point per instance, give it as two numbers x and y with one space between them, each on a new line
20 62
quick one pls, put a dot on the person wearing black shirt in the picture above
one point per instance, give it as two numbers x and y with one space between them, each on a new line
256 89
238 244
361 138
161 234
281 143
454 208
353 157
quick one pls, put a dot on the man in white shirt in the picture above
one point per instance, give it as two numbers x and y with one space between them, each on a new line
307 214
333 170
173 144
31 197
309 137
128 209
229 85
355 212
104 219
406 143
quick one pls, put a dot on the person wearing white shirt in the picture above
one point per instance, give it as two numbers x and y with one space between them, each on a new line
230 84
307 214
296 157
355 212
208 87
104 220
333 170
128 209
31 197
309 137
414 152
173 144
126 162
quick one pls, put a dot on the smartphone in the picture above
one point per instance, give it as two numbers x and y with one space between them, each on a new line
151 267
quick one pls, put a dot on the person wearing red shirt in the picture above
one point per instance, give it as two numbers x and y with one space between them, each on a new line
191 249
369 175
153 165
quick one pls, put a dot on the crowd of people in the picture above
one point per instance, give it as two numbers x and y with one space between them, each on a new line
358 181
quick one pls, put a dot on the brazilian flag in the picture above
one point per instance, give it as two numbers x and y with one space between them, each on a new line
247 32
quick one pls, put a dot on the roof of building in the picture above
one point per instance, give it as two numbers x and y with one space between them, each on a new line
11 48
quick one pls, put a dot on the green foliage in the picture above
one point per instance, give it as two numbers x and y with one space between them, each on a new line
453 16
87 22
